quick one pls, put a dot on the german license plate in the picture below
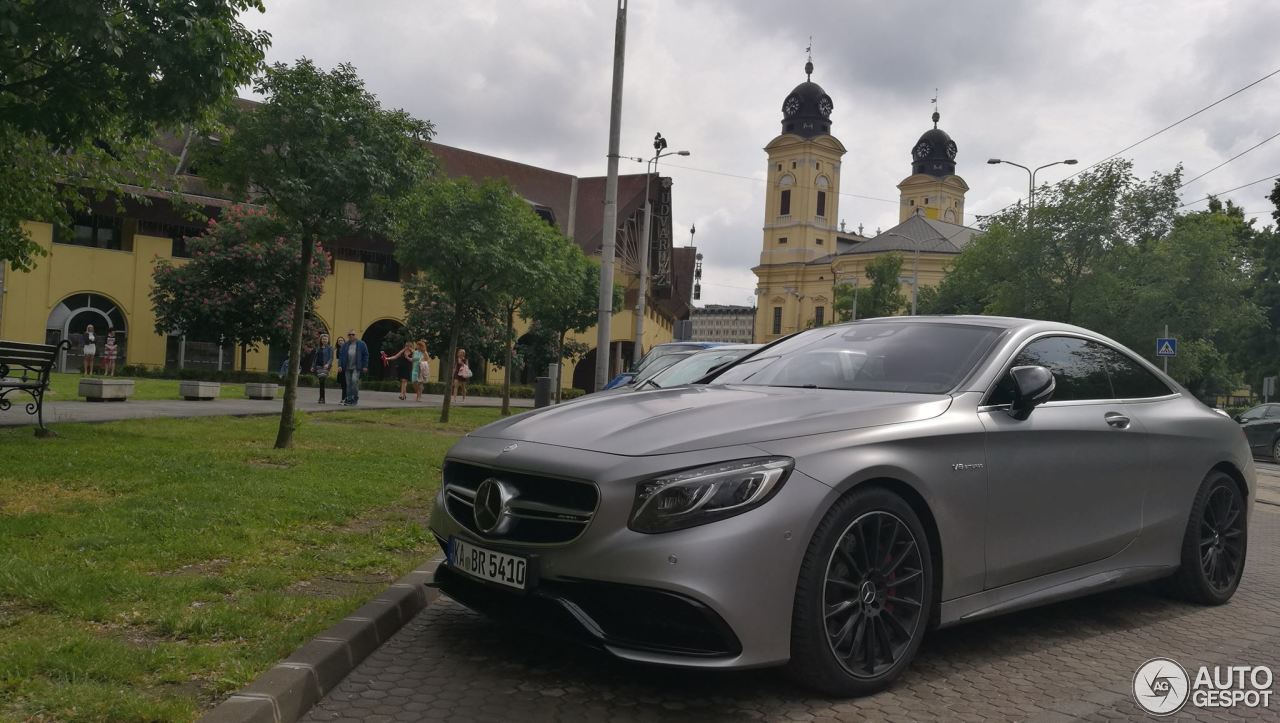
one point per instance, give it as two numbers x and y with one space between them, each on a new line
488 565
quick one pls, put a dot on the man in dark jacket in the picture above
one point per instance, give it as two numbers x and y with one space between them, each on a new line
322 362
352 362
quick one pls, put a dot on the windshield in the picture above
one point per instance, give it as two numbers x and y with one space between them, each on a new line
663 350
926 358
659 364
695 367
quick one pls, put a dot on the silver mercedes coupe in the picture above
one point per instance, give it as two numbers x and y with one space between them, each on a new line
824 501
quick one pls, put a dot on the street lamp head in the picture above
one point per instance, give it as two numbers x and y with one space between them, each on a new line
682 153
994 161
1071 161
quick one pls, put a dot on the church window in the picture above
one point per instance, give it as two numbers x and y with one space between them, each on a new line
779 167
817 165
822 203
818 313
777 320
785 207
782 241
793 165
819 241
926 200
912 202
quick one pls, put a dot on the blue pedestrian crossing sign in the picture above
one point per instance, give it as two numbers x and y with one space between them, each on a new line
1167 347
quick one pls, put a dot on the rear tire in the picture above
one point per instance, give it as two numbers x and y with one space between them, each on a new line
1275 451
1214 544
864 596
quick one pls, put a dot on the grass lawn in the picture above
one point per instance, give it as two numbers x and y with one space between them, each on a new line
149 569
65 387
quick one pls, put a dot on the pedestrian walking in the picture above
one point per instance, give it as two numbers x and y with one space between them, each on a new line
321 363
461 373
353 362
109 352
342 378
421 369
404 366
90 349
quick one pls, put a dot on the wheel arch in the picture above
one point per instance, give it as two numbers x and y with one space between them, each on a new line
920 506
1234 473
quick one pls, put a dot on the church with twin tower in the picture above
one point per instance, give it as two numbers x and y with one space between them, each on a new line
806 253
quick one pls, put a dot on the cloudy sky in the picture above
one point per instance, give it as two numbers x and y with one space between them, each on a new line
1030 82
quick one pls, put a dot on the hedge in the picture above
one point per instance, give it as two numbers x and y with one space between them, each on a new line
307 380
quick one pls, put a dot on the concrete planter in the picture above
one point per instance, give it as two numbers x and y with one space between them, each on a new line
198 391
258 390
105 390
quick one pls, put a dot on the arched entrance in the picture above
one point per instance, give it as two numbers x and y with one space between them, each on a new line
584 374
384 335
72 317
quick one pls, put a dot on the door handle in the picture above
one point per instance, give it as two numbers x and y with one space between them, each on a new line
1117 420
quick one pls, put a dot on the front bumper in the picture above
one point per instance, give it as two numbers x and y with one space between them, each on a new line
717 596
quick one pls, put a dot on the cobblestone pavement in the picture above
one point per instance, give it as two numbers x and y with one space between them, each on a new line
1070 661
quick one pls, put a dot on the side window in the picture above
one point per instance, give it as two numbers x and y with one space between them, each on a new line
1130 380
1079 369
1273 411
1255 413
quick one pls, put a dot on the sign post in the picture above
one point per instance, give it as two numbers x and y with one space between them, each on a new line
1166 346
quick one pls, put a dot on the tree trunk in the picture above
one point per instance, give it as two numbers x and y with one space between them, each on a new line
560 365
284 438
506 372
452 361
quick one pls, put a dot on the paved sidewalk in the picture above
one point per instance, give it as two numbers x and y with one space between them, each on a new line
1268 482
80 411
1070 661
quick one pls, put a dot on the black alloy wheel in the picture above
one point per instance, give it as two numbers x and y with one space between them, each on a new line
1215 543
873 593
864 595
1222 538
1275 451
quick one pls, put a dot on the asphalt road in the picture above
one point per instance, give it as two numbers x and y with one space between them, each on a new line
1071 661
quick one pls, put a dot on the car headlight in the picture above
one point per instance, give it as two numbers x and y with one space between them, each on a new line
706 494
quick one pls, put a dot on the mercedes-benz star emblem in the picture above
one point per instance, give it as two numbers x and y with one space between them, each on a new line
868 592
491 505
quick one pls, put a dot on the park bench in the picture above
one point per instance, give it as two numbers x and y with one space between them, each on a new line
25 368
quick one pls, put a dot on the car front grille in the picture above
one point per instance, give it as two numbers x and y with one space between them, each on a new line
541 510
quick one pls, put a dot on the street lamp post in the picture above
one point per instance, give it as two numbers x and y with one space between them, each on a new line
659 146
1031 178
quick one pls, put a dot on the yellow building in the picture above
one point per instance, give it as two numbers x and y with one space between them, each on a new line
805 255
99 272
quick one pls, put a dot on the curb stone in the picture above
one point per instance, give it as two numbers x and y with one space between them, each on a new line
287 691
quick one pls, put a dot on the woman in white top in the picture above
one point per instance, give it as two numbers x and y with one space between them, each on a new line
90 349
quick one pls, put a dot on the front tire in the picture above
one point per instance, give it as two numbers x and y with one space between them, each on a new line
1275 451
864 595
1214 544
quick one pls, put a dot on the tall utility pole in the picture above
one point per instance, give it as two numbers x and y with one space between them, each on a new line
609 231
659 146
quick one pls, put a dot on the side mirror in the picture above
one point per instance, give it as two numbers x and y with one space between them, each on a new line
1032 386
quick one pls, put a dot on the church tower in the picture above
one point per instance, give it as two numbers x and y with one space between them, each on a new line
933 188
802 204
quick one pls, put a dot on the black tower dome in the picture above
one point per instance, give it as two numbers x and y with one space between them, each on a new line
807 110
935 152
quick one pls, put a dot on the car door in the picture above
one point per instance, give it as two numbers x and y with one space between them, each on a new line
1065 485
1259 425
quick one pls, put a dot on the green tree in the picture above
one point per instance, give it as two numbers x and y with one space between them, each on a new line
884 297
429 316
87 85
1110 252
465 238
324 155
541 270
237 284
575 310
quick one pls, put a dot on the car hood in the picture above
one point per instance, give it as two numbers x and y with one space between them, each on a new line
690 418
